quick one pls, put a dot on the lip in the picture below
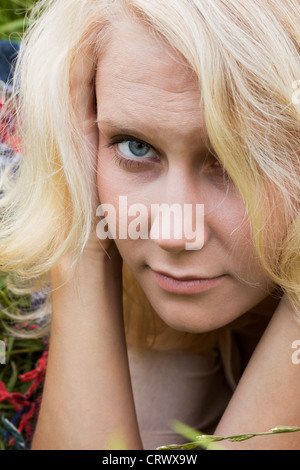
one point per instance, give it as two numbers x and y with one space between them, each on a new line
185 285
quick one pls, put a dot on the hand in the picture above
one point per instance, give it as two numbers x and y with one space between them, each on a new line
87 397
84 103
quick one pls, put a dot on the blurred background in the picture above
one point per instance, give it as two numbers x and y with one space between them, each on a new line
13 18
22 373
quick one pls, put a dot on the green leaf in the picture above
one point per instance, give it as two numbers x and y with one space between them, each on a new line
13 379
13 26
209 442
203 441
20 443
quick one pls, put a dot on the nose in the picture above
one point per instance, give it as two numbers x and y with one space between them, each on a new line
178 223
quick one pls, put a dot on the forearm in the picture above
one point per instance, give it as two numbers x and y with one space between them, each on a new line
268 393
87 401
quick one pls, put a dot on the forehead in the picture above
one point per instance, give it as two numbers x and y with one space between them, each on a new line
139 71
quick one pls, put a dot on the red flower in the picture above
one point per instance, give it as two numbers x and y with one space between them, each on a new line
27 404
8 130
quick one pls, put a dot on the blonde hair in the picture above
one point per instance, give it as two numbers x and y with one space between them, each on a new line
246 55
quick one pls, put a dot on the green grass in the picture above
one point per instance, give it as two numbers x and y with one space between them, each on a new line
21 354
212 442
13 18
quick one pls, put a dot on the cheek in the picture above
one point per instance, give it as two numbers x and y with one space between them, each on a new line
113 181
110 185
119 191
230 226
228 220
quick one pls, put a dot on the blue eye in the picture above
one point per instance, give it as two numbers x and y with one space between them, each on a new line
135 149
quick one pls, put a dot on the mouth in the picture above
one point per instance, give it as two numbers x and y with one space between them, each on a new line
185 284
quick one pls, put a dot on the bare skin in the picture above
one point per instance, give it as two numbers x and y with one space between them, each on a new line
87 353
88 401
87 361
267 394
147 95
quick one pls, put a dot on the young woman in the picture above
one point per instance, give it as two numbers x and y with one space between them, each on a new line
176 103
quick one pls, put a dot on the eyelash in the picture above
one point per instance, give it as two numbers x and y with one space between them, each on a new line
127 162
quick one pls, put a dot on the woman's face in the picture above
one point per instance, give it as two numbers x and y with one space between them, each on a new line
154 149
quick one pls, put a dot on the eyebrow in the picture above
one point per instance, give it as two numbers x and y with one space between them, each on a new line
134 132
123 130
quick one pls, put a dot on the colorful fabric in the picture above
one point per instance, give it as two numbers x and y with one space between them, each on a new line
17 433
8 54
10 143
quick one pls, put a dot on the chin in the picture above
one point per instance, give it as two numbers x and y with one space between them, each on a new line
197 322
